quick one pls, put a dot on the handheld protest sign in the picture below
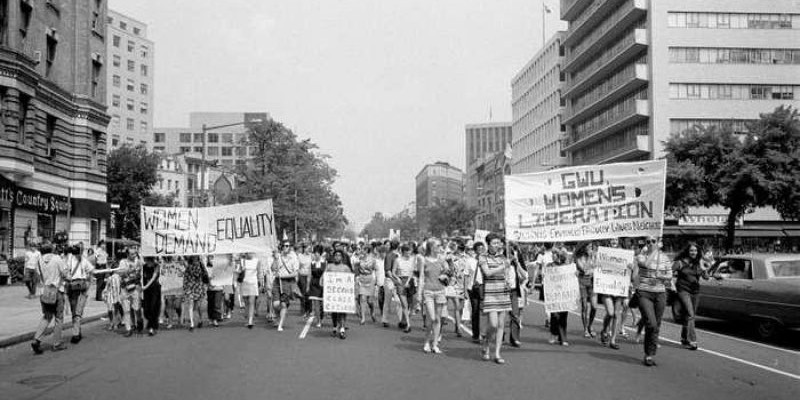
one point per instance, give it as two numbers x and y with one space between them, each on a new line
339 292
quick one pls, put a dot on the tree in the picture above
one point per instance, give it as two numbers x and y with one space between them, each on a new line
449 216
296 177
711 166
379 226
131 174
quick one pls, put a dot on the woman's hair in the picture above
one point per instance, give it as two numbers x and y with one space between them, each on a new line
493 236
476 245
583 250
340 253
319 249
404 247
684 254
429 245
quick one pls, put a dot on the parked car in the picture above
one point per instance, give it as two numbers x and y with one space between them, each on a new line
759 289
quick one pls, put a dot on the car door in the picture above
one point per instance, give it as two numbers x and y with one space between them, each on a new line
730 296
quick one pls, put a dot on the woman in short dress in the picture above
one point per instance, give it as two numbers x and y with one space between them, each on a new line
250 267
194 289
366 284
434 276
497 295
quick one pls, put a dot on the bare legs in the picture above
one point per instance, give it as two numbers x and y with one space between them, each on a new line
434 314
497 321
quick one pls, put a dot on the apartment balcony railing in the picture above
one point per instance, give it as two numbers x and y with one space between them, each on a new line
571 8
633 111
630 79
606 28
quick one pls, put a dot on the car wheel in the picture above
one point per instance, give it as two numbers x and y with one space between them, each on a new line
767 328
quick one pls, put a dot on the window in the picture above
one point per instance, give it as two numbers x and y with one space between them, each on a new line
143 127
732 20
130 85
136 31
241 151
129 124
115 121
213 138
198 149
129 104
227 151
26 9
46 229
116 60
115 141
131 46
184 149
143 108
95 21
131 66
213 151
159 148
115 100
198 137
785 268
96 136
143 88
123 25
52 42
159 137
144 70
50 134
115 40
185 137
735 269
143 51
117 80
227 138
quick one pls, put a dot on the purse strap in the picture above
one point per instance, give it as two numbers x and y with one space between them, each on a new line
75 269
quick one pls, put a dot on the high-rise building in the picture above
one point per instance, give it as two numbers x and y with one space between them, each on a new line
638 70
437 183
53 126
130 81
483 141
225 144
536 107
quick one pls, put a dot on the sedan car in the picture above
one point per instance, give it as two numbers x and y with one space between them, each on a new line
759 289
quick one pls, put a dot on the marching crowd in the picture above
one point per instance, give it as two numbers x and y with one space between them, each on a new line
447 281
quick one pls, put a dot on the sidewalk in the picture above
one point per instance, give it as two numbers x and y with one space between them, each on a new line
20 316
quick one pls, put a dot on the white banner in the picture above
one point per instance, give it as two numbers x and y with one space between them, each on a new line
339 292
480 236
235 228
171 278
561 291
222 271
612 275
586 203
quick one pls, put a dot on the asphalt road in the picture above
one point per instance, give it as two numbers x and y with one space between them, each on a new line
231 362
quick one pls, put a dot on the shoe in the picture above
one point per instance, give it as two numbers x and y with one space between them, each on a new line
604 338
59 347
692 346
684 342
129 333
592 334
76 339
459 334
499 360
648 361
318 325
613 346
553 340
587 335
565 344
623 334
362 322
334 333
516 344
199 325
426 348
150 332
385 324
37 347
476 340
435 350
342 334
407 330
638 338
249 326
485 356
280 329
215 324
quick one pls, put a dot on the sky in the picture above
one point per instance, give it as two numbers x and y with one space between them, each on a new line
383 87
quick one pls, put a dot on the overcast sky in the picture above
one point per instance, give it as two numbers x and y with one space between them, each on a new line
384 87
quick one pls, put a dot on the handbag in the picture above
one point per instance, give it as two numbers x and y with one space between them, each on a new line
634 301
49 294
79 284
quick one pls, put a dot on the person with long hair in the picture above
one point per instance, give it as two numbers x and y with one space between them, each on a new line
365 279
558 320
585 262
494 267
151 302
80 274
402 275
336 264
689 268
434 276
615 307
195 280
455 290
304 258
249 273
655 275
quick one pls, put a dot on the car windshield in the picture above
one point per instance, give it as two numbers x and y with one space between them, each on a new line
786 268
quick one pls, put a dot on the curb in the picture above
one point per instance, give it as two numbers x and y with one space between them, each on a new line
28 336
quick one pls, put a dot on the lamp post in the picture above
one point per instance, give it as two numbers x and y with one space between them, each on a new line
206 129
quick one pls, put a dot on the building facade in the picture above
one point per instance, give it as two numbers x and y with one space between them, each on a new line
489 176
536 107
482 140
638 70
130 81
227 145
437 183
183 177
53 125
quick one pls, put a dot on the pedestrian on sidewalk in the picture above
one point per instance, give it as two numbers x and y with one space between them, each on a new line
689 268
152 294
53 273
655 275
81 270
101 261
30 276
494 268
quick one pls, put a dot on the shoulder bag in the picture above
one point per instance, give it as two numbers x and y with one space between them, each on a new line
80 284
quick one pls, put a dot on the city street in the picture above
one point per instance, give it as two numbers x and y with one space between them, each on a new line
375 362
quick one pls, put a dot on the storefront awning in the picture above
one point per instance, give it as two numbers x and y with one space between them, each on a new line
759 233
792 232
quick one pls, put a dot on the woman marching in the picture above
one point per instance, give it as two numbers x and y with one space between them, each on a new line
195 281
615 307
339 319
366 282
558 320
689 268
249 273
497 296
285 268
585 262
434 276
655 274
318 265
402 275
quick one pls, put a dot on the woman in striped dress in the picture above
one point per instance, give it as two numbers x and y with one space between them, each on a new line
497 294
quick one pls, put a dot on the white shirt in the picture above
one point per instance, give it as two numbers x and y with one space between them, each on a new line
379 272
32 259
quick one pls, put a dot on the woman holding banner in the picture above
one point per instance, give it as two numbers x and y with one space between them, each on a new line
195 279
248 274
655 274
496 294
558 320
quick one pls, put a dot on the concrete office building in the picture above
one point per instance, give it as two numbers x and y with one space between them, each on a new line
482 140
437 183
226 145
638 70
130 81
489 176
53 130
536 107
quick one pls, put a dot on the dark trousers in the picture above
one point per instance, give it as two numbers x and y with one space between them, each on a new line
475 314
100 284
229 302
684 309
338 319
651 305
381 293
215 304
152 306
305 303
514 320
558 325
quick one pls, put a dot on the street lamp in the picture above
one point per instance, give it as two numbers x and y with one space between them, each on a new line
205 150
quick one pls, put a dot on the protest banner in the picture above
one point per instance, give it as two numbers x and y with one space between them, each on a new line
171 278
611 274
561 291
339 292
586 203
235 228
222 271
480 236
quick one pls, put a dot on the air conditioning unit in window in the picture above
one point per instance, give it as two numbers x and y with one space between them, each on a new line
37 57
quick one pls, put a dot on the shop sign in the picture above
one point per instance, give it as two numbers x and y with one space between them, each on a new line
706 220
14 196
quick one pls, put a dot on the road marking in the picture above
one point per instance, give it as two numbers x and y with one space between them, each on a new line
465 329
306 328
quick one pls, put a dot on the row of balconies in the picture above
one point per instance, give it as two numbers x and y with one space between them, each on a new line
579 45
626 81
634 111
622 52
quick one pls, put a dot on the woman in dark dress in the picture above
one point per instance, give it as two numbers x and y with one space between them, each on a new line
152 294
314 293
195 279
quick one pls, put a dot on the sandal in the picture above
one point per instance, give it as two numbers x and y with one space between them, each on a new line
499 360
